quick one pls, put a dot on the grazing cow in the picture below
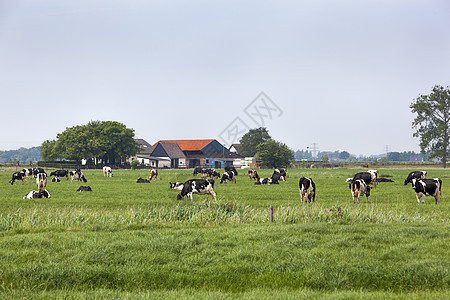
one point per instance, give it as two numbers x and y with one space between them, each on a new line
18 176
77 175
84 189
359 188
214 174
231 168
207 172
307 189
416 175
141 180
279 174
56 179
197 186
427 187
153 174
369 177
36 171
230 175
37 194
107 171
27 172
41 181
60 173
252 174
177 186
197 170
266 181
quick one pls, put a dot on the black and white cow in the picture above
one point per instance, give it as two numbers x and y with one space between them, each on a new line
369 177
229 175
197 186
307 189
231 168
60 173
77 175
416 175
28 172
16 176
37 194
427 187
266 181
176 186
107 171
141 180
36 171
197 170
84 189
279 174
359 188
41 181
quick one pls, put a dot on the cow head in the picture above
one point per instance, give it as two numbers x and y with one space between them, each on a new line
368 191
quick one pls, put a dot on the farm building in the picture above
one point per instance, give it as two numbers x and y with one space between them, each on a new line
202 152
175 158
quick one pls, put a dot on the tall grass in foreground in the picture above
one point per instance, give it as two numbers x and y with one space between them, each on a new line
203 214
230 259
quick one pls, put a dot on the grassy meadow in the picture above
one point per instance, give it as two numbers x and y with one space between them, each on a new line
129 240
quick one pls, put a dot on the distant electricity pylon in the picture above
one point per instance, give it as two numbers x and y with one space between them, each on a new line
315 150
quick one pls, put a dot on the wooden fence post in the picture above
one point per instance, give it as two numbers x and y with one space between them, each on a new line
271 214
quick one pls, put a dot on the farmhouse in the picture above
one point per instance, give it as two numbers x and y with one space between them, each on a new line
202 152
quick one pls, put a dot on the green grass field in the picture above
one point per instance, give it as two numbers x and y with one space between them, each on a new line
129 240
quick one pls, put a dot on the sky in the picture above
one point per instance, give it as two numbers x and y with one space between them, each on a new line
335 75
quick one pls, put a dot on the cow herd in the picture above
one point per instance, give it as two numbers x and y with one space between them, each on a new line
41 180
360 184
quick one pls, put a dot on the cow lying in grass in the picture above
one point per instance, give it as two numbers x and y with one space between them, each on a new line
37 194
84 189
266 181
142 180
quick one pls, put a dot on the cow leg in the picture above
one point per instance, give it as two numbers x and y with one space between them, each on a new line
213 195
436 198
418 198
423 199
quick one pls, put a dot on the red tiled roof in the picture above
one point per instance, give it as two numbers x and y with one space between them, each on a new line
188 145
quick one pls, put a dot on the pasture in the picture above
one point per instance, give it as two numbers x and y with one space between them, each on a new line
130 240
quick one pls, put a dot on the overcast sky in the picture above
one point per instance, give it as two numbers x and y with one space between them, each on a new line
338 74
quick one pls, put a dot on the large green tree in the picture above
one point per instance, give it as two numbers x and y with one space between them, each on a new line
432 122
252 139
48 150
106 140
275 154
